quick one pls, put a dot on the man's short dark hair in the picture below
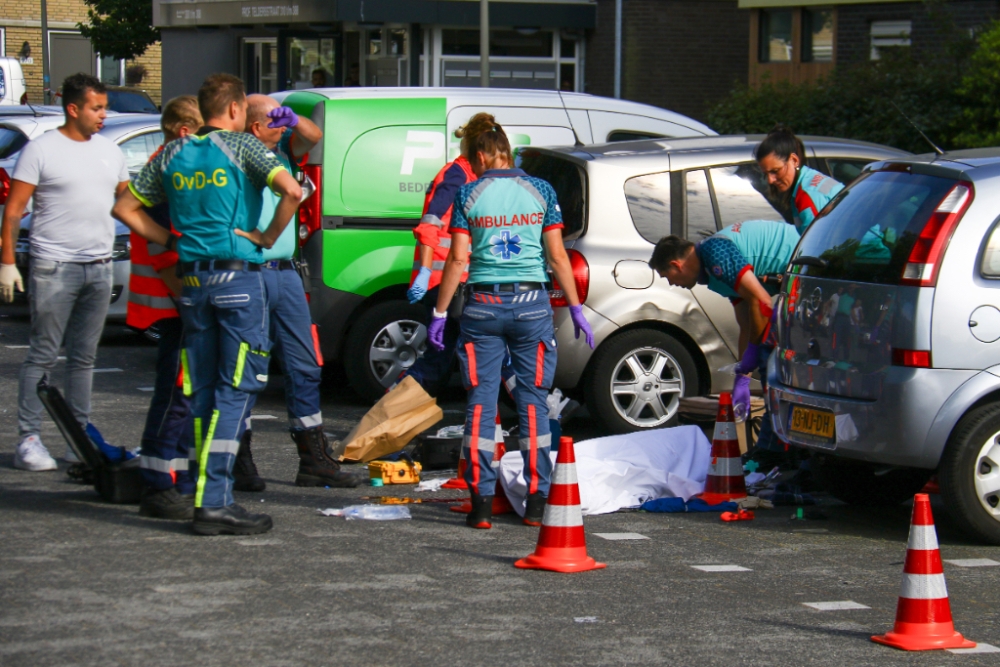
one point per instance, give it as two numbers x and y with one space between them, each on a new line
668 249
74 89
217 93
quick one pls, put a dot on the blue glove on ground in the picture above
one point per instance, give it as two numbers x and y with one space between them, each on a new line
580 324
750 361
419 287
741 394
282 117
435 332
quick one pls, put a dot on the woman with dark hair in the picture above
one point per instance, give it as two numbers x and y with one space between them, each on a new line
504 226
781 156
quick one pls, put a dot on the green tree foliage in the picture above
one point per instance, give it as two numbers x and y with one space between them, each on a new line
980 91
121 29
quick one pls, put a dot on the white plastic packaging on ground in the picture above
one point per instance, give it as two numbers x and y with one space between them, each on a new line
370 512
627 470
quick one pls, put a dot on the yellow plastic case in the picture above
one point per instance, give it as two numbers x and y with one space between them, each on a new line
395 472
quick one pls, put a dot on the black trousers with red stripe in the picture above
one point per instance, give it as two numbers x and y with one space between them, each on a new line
491 325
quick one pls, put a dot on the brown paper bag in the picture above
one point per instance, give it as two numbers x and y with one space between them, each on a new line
392 423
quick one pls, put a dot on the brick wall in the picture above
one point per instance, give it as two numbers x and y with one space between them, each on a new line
21 20
854 24
680 55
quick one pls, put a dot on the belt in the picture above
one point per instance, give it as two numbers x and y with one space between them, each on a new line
280 264
93 261
218 265
507 287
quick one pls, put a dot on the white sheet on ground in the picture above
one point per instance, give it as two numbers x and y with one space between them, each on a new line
627 470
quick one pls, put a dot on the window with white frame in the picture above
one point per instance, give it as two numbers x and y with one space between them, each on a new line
110 70
888 35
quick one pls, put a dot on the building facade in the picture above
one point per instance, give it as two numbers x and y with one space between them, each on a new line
803 40
290 44
69 52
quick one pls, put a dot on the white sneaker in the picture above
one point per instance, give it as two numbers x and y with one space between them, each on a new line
70 456
32 455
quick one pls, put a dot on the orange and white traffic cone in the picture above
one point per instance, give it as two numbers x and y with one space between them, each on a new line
923 614
725 474
458 482
562 544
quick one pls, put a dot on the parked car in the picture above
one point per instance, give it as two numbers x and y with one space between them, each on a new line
902 379
13 88
381 149
138 135
125 99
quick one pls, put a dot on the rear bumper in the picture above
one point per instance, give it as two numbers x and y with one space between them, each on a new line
901 428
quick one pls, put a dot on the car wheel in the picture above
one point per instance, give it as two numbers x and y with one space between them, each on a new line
969 475
637 380
868 485
384 342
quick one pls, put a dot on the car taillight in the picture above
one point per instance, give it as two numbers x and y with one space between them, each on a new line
4 185
581 276
922 267
311 210
911 358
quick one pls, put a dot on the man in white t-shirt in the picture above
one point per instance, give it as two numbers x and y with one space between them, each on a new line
73 174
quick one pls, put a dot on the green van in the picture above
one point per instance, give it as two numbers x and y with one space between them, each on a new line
381 150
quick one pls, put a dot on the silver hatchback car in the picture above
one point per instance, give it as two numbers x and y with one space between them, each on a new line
888 362
654 343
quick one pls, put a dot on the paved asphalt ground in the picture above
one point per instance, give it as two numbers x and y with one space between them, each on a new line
87 583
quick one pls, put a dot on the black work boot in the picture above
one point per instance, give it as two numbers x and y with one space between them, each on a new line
316 466
482 512
245 477
534 509
229 520
168 504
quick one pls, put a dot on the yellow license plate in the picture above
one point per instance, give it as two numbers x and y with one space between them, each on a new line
813 422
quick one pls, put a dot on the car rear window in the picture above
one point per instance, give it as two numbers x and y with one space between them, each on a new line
570 183
868 231
11 142
126 102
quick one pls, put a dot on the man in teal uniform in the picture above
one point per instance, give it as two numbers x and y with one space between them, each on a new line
296 343
741 263
213 182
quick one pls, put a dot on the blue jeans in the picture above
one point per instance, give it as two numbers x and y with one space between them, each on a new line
225 359
166 440
492 325
766 439
69 303
291 334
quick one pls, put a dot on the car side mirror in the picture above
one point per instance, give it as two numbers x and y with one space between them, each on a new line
633 274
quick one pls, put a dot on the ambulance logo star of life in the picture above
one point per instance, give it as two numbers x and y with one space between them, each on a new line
505 245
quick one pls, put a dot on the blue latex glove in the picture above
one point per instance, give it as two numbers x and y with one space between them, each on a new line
282 117
741 394
419 287
580 324
435 332
750 361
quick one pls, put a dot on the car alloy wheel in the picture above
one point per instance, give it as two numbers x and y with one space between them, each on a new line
987 476
646 387
394 349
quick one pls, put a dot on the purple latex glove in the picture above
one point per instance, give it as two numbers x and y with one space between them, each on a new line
741 395
282 117
750 361
435 332
580 324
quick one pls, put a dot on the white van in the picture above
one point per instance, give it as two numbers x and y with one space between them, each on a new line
13 87
381 149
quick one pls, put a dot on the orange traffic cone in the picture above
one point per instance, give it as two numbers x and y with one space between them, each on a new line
923 614
725 474
562 545
458 482
501 505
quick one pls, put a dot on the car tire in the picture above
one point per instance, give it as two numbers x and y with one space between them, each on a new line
868 485
385 341
969 474
635 407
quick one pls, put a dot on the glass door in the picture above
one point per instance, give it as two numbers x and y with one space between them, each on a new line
260 64
311 62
